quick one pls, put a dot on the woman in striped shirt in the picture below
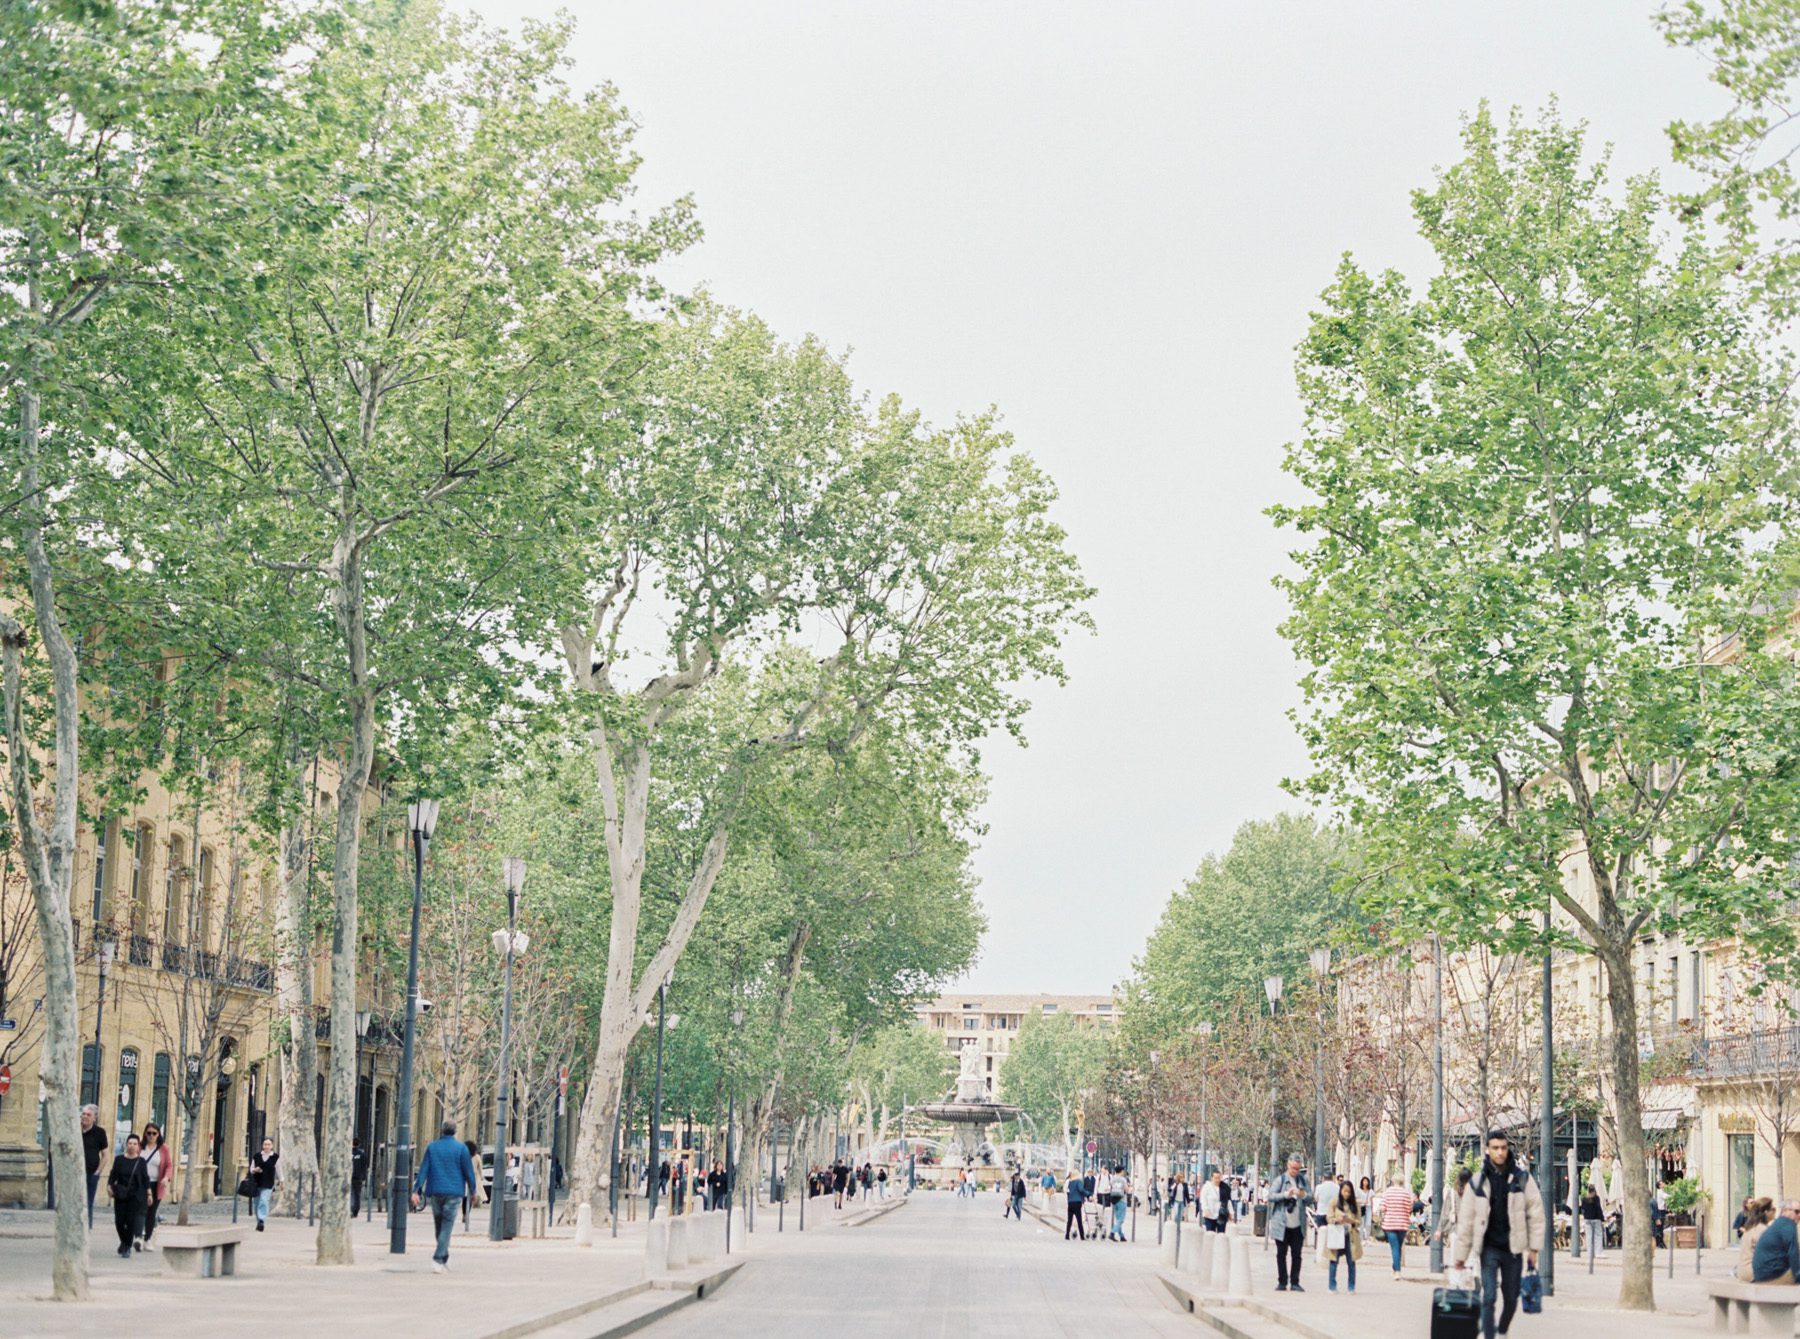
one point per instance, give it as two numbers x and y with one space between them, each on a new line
1396 1216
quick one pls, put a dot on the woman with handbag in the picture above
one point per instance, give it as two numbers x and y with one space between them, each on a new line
1342 1235
129 1188
159 1170
262 1173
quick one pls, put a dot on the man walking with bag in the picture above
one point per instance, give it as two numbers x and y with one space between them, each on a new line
1500 1220
1288 1200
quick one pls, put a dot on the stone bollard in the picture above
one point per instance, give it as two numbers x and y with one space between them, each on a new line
678 1243
1220 1279
1203 1262
656 1247
584 1225
1238 1280
1167 1250
1189 1260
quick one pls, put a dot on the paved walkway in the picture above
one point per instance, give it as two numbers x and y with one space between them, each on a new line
942 1266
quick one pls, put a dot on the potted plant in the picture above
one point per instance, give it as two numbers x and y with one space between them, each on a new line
1686 1197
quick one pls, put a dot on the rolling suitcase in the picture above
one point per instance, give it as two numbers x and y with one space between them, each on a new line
1455 1313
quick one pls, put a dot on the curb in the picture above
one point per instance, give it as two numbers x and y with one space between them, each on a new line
636 1301
868 1216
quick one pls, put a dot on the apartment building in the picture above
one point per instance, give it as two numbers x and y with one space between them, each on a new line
994 1020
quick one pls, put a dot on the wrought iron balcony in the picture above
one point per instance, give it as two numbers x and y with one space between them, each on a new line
1764 1052
142 951
174 958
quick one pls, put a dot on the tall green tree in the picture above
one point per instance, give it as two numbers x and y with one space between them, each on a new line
1281 891
1054 1060
131 145
1541 673
759 500
445 307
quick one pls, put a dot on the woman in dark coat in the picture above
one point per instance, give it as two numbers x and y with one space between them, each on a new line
129 1185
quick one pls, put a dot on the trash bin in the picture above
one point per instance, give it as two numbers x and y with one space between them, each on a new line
1261 1226
509 1221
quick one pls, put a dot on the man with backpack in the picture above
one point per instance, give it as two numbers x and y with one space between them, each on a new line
1500 1221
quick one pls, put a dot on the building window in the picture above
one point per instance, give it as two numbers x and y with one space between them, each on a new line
1740 1163
1103 1008
159 1095
204 898
90 1075
140 879
1675 989
1695 978
174 880
1049 1008
970 1024
102 836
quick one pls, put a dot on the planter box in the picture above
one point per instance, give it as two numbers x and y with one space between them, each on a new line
1683 1236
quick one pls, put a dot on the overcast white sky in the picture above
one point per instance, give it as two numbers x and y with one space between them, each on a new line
1109 219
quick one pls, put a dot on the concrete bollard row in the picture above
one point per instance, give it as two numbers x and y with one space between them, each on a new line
1238 1280
678 1243
656 1247
1167 1251
1220 1278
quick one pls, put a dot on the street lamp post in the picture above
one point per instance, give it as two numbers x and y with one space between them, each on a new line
509 943
1321 965
105 950
1547 1136
654 1176
363 1018
421 819
737 1023
1271 987
1437 1104
1154 1150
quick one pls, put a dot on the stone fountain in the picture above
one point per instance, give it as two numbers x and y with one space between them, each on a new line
968 1111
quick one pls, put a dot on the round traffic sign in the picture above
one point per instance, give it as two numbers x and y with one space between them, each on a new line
5 1079
1093 1146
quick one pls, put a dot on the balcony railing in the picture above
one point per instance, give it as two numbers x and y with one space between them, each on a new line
1766 1051
142 951
174 958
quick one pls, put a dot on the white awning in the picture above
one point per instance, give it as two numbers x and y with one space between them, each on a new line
1666 1118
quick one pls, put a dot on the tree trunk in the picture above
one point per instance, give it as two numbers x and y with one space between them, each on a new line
50 861
190 1145
294 1006
334 1247
1636 1286
625 1003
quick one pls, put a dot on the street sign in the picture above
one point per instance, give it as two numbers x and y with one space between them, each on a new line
562 1079
8 1024
1093 1146
5 1080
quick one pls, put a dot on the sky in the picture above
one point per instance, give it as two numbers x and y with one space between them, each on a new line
1110 220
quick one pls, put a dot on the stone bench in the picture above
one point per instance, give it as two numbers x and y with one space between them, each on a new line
206 1252
1754 1308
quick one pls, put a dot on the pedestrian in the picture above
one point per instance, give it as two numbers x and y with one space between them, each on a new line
262 1171
1365 1196
1121 1202
159 1172
1047 1183
1213 1200
94 1150
1658 1212
1446 1228
1016 1205
1742 1220
129 1187
1288 1198
881 1180
1757 1215
840 1181
1223 1217
1343 1237
718 1192
1077 1196
474 1197
446 1174
1776 1257
868 1180
1500 1220
359 1173
1593 1221
1396 1217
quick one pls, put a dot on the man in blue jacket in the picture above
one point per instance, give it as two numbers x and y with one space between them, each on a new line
1777 1257
446 1174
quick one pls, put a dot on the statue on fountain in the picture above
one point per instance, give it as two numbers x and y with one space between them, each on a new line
970 1086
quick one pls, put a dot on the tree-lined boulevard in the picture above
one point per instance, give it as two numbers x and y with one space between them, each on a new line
461 683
